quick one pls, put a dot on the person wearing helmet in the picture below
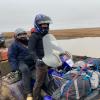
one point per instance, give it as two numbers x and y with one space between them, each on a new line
41 28
17 55
3 49
2 41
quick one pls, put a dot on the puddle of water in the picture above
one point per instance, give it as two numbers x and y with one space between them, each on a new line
88 46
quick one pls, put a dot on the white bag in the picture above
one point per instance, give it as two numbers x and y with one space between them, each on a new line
94 80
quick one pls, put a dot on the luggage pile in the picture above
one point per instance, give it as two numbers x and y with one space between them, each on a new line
81 82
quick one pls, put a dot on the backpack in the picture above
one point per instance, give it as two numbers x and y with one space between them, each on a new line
73 89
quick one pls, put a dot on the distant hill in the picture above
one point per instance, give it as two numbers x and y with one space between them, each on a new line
69 33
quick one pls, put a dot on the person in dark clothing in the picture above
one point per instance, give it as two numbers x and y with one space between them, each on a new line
41 28
3 48
2 41
17 54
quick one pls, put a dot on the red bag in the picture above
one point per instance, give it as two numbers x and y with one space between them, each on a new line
3 54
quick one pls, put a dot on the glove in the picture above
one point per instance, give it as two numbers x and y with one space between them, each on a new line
39 63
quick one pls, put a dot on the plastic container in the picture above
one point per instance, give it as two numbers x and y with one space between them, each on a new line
47 98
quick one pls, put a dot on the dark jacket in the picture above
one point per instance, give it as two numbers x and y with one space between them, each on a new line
17 53
36 46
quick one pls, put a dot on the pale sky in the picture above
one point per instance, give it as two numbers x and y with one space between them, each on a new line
64 13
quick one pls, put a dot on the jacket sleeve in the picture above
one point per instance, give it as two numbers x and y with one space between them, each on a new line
32 47
12 57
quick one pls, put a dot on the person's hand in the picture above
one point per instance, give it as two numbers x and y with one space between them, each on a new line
39 62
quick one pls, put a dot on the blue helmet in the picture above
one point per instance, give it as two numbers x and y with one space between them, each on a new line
39 20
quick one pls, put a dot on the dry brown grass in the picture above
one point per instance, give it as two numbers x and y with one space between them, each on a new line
69 33
10 34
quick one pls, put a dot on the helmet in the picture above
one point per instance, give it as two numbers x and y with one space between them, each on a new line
41 19
2 40
19 31
21 36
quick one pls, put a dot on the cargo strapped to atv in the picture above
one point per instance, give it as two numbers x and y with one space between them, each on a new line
3 54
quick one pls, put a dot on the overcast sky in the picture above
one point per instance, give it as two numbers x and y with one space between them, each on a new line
64 13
